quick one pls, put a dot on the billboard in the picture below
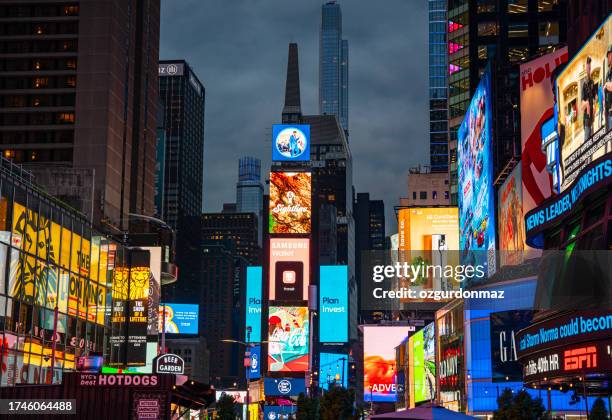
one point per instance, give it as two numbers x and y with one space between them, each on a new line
537 123
333 370
475 172
284 387
504 326
253 303
255 362
379 374
288 332
290 142
290 202
238 396
180 318
154 289
584 106
511 221
333 304
289 269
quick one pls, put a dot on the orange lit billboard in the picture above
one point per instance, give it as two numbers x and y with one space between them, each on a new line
290 202
289 269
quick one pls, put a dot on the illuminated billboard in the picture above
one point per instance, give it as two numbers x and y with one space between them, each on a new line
238 396
333 370
333 304
511 221
288 332
289 269
584 106
379 373
255 362
253 304
537 124
290 202
290 142
181 318
504 361
475 172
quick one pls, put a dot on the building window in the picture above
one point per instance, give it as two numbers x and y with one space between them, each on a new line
71 10
414 195
446 195
518 30
434 195
517 6
66 117
547 5
71 81
487 29
548 33
41 82
423 195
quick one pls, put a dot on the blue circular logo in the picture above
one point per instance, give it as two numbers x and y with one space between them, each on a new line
291 142
284 387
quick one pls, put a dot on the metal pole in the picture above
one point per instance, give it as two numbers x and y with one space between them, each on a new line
343 360
248 370
163 342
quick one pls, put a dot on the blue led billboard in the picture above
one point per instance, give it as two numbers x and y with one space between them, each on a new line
284 387
253 304
333 370
333 304
290 142
178 318
255 369
475 172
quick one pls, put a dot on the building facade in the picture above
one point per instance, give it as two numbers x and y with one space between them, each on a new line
426 189
249 190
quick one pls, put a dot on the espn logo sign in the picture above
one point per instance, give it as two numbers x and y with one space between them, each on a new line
580 358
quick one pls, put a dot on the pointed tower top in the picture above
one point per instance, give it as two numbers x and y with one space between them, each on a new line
292 109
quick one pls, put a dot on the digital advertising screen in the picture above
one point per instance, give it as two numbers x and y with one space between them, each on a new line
284 387
584 106
180 318
511 228
238 396
290 202
254 283
288 332
289 269
290 142
538 134
418 370
504 360
333 370
379 376
255 368
475 172
333 304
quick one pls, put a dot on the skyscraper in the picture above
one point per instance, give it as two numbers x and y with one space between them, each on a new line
333 65
79 101
438 86
249 190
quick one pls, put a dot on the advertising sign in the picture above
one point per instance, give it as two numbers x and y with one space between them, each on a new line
379 374
290 142
238 396
180 318
289 269
537 124
154 289
118 380
429 362
290 202
450 369
284 387
475 172
279 412
255 362
169 363
171 69
333 370
504 361
333 304
584 106
417 375
288 329
253 304
511 221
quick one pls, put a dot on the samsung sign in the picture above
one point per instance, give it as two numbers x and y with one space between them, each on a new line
333 304
253 304
284 387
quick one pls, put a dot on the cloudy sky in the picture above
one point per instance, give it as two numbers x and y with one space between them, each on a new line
238 48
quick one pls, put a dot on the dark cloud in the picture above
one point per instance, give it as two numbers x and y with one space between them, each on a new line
238 48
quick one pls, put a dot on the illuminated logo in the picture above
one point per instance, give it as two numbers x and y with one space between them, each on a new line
271 415
254 362
172 69
284 387
291 143
580 358
291 207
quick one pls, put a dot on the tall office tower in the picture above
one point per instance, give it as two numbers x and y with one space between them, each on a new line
79 98
182 95
249 190
583 18
505 33
333 65
369 223
438 86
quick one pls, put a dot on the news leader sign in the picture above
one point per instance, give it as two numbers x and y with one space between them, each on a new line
169 363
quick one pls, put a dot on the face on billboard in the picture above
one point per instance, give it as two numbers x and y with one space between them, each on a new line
584 106
290 202
333 370
333 304
180 318
253 303
289 269
511 222
379 381
475 171
238 396
288 329
290 142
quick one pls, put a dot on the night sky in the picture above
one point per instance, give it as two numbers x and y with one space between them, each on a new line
238 48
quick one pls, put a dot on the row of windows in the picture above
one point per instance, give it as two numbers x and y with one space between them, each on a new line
434 195
36 118
38 82
38 46
40 10
39 28
39 155
22 101
38 64
25 137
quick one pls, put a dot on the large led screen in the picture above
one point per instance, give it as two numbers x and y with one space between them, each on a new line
379 373
475 171
253 304
333 370
288 329
290 142
428 390
584 106
333 304
511 221
290 202
180 318
504 360
289 269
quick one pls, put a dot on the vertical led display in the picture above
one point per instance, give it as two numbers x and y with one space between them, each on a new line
504 361
475 172
379 374
289 269
423 376
333 304
290 142
255 368
290 202
288 329
333 370
253 303
511 221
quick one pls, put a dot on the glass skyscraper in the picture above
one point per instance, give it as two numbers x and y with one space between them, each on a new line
249 190
438 86
333 65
